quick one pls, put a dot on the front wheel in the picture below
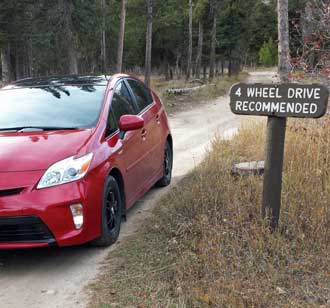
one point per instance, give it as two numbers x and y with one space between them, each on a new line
111 214
167 166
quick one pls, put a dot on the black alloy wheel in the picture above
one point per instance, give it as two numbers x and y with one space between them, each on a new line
167 166
111 213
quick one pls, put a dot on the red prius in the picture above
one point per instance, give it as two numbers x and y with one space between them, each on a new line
75 154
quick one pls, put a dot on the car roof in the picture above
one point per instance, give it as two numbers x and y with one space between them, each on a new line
75 80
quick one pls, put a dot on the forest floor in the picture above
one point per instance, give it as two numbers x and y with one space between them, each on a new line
210 91
56 277
205 244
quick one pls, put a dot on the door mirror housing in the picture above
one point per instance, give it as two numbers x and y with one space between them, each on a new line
130 122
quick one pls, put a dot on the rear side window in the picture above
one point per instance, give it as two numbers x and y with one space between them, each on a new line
121 104
124 94
142 94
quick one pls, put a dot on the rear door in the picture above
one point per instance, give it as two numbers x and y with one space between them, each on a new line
149 111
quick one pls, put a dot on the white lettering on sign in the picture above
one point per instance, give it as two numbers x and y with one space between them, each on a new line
238 92
313 108
279 107
304 93
305 109
298 108
267 106
245 106
263 92
282 100
317 93
275 107
290 108
250 92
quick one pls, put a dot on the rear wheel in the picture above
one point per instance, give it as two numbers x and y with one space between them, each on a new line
111 213
167 166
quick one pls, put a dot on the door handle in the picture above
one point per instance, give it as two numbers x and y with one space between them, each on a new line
144 133
158 119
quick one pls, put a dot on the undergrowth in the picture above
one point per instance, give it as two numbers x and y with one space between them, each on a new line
212 90
207 246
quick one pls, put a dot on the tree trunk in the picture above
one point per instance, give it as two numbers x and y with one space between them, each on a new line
17 57
190 41
30 67
66 7
72 56
121 37
199 50
103 38
229 67
283 38
177 65
148 44
276 128
213 43
167 70
7 74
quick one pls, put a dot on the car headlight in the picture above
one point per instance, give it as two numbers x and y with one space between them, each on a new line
65 171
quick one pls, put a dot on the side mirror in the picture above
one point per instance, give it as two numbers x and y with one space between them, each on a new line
130 122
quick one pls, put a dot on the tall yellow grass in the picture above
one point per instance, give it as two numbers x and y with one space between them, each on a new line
208 246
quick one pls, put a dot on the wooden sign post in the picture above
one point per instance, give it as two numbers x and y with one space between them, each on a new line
277 101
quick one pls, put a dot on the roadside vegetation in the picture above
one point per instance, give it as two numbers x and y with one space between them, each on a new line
206 244
208 91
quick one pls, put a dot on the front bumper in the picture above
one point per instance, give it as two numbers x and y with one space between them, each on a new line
48 209
24 229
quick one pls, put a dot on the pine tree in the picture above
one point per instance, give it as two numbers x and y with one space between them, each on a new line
268 53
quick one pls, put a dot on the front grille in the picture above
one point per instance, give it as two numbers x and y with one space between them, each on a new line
10 192
24 229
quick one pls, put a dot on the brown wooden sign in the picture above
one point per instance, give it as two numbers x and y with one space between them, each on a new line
280 100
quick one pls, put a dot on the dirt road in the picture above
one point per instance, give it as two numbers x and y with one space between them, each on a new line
56 277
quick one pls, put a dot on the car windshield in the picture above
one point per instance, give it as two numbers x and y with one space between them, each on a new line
50 107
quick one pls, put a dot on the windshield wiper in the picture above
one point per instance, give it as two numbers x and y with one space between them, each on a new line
36 128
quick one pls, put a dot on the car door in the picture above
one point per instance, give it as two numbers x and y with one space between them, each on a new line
149 111
132 150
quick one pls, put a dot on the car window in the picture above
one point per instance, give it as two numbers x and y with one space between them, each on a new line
142 94
51 106
121 104
123 92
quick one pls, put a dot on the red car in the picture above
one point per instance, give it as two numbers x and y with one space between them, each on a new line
75 154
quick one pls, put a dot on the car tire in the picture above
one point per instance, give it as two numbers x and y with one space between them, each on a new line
112 206
167 166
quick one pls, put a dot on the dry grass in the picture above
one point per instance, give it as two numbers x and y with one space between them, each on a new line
219 86
206 244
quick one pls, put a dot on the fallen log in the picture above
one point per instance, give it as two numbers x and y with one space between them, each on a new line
248 168
184 90
201 82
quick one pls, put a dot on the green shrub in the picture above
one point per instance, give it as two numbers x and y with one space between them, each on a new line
268 53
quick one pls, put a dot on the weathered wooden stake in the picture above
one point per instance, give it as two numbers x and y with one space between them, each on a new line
271 201
276 127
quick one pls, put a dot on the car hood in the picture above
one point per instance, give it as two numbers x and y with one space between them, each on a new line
39 150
